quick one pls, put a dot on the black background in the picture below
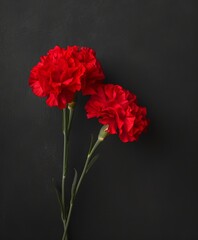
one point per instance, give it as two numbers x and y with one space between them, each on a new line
143 190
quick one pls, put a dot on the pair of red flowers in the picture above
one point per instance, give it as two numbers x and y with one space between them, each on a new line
65 71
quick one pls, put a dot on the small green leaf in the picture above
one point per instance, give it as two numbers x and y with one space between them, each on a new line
58 196
91 162
73 188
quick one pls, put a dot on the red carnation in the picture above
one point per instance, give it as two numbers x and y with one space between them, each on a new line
94 74
63 72
117 108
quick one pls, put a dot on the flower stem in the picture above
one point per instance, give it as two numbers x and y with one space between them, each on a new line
84 171
66 215
65 235
65 160
67 119
89 155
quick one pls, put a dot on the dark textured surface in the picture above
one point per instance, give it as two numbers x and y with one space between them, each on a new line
144 190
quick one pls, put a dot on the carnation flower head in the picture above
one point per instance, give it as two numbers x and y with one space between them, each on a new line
63 72
94 74
118 108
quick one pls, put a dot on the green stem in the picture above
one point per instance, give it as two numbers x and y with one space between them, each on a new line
65 235
66 131
86 164
65 154
69 215
80 181
71 110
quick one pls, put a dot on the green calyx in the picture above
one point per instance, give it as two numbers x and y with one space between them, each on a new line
71 105
103 132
